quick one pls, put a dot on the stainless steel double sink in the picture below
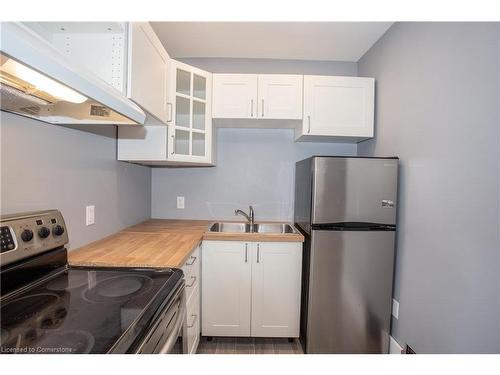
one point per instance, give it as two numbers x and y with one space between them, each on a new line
276 228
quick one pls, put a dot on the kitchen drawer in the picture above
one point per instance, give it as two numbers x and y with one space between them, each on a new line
193 321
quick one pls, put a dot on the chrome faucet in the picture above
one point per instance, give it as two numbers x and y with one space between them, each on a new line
250 217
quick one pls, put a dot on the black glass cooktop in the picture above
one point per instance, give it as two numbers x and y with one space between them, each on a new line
85 310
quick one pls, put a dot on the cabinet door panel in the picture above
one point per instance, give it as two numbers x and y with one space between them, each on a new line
280 96
234 96
338 106
190 130
226 279
276 283
147 70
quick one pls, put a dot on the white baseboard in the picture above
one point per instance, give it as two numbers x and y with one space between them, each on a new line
394 347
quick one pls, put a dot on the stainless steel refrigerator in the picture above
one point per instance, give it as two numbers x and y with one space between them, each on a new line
346 209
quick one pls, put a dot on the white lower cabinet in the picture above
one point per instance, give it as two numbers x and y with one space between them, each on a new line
191 271
251 288
226 288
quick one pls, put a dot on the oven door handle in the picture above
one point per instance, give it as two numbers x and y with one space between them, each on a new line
170 343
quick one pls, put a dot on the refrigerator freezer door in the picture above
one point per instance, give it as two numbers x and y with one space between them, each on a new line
354 190
350 290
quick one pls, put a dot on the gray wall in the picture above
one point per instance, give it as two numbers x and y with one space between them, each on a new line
272 66
254 166
437 108
49 166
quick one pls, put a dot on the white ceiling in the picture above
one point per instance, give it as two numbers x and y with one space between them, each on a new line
336 41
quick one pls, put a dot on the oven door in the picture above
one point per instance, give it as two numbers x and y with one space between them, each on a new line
167 334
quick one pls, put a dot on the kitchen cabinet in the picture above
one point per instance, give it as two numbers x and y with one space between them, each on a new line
187 139
190 123
235 96
226 288
127 56
147 70
191 270
337 108
257 96
276 289
251 288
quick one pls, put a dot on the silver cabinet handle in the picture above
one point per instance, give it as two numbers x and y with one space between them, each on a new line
251 108
169 105
194 320
262 107
194 281
173 143
258 253
246 253
192 262
309 124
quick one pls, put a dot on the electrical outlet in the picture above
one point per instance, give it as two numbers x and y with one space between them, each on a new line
395 308
89 215
180 203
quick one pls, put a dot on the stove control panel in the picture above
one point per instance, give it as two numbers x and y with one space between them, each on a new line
24 235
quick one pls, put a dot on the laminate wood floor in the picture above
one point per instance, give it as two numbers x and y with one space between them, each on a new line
248 345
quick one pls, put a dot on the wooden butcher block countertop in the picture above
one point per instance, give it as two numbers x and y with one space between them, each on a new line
158 243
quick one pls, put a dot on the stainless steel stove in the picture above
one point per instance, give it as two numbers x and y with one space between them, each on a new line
48 306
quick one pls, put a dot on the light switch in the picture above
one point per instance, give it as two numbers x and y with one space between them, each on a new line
89 215
180 203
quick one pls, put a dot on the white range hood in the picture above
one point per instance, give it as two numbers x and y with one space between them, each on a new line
37 81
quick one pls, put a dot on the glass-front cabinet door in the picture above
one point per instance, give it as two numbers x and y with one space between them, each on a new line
190 125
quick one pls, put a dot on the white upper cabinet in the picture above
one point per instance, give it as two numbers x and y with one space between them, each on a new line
187 140
257 96
190 123
147 70
234 96
280 96
337 108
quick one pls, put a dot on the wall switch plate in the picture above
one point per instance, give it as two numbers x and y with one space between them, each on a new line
395 308
89 215
180 203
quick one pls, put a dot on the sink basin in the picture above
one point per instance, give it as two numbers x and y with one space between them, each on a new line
230 228
274 228
277 228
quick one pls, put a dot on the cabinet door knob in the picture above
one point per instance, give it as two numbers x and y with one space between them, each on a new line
173 144
308 124
246 253
251 108
262 107
258 253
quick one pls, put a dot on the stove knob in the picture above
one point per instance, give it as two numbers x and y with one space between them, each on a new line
27 235
43 232
58 230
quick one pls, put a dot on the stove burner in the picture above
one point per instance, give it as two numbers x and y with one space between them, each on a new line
27 307
66 342
68 281
118 287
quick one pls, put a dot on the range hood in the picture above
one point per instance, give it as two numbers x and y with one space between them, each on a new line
37 81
